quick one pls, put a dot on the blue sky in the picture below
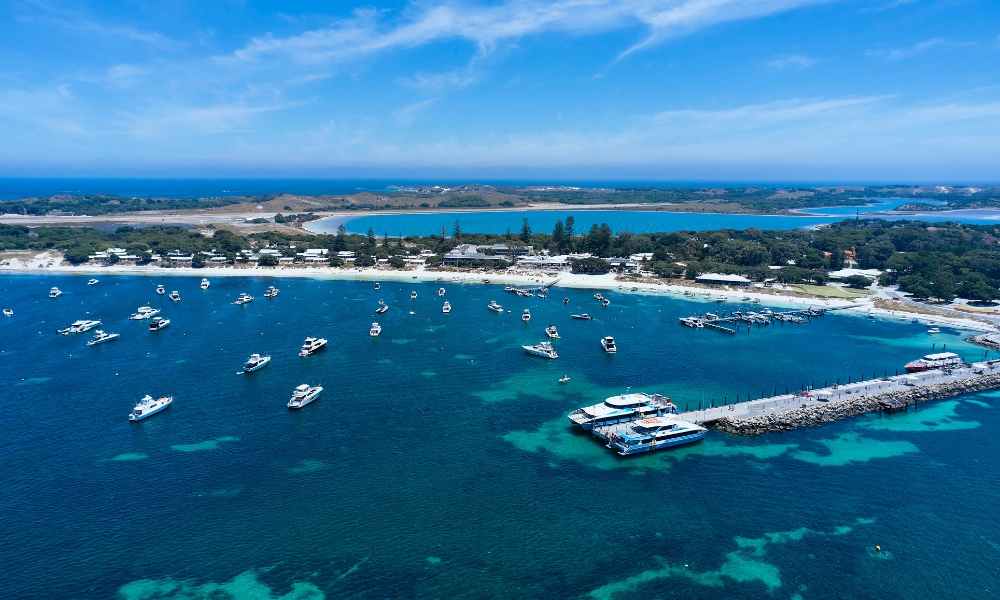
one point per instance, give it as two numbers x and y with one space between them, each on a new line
791 90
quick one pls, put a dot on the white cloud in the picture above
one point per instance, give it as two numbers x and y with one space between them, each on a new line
406 115
918 48
790 61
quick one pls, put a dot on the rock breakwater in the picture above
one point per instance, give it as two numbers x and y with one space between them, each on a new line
841 409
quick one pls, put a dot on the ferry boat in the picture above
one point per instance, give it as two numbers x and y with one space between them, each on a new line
377 286
271 292
256 362
303 394
941 360
526 315
100 337
8 312
158 323
381 309
176 297
608 343
622 408
552 332
79 327
91 282
583 317
54 293
147 407
446 307
243 299
145 312
311 346
440 291
654 433
160 290
413 295
494 306
375 330
543 349
205 283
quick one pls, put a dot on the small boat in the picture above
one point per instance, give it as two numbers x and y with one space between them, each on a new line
145 312
605 302
564 379
746 298
903 318
565 300
446 307
256 362
871 315
205 283
100 337
303 394
176 297
147 407
54 293
552 332
526 315
312 345
633 289
441 292
158 323
79 327
542 295
412 313
381 309
608 343
583 317
375 330
914 320
494 306
271 292
543 349
243 299
598 297
92 282
413 295
720 299
377 286
690 293
160 290
8 312
934 330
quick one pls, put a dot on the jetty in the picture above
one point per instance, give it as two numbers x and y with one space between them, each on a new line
814 406
530 290
731 323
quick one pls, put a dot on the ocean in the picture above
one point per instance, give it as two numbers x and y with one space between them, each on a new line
438 461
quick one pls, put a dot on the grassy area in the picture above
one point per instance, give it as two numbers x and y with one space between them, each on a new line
828 291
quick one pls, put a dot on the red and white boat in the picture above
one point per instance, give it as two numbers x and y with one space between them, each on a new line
941 360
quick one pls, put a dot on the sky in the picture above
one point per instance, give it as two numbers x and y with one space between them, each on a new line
783 90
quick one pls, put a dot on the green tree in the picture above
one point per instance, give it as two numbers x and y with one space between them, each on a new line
558 235
526 232
198 261
268 260
371 238
458 230
397 262
336 261
364 261
592 266
77 256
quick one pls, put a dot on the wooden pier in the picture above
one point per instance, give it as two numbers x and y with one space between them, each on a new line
765 317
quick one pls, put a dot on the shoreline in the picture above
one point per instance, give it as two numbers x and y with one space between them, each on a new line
48 264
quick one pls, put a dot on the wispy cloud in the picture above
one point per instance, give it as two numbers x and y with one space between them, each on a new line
918 48
790 61
406 115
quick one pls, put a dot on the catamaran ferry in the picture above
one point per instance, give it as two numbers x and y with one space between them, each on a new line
941 360
147 407
626 407
654 433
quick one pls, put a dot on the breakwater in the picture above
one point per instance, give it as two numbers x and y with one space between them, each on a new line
841 409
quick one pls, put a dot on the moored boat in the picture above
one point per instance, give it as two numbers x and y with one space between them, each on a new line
160 290
243 299
375 330
55 293
175 296
271 292
543 349
494 306
440 291
79 327
941 360
413 295
622 408
147 407
446 307
381 309
303 394
312 345
145 312
377 286
526 315
158 323
205 283
608 343
552 332
654 433
92 282
101 337
8 312
255 363
583 317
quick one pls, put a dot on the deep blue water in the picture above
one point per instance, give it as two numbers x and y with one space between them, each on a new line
438 461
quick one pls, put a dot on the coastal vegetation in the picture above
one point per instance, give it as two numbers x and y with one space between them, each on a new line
939 261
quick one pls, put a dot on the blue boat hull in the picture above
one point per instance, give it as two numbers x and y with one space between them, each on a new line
640 448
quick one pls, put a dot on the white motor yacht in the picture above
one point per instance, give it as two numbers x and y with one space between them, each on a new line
92 282
255 363
494 306
243 299
79 327
160 290
100 337
175 296
145 312
413 295
446 307
8 312
205 283
552 332
303 394
381 309
377 286
605 302
622 409
441 292
147 407
54 293
312 345
582 317
543 349
158 323
375 330
526 315
271 292
934 330
608 343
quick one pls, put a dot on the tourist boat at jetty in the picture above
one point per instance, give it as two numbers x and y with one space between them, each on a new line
145 312
205 283
271 292
375 330
552 332
941 360
446 307
147 407
54 293
79 327
413 295
8 312
243 299
583 317
175 296
440 291
160 290
526 315
381 309
256 362
303 394
692 322
158 323
312 345
494 306
91 282
543 349
608 343
654 433
100 337
620 409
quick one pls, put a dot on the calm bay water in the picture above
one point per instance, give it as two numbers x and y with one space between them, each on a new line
438 461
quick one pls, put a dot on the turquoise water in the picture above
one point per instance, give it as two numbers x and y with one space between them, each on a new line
438 461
